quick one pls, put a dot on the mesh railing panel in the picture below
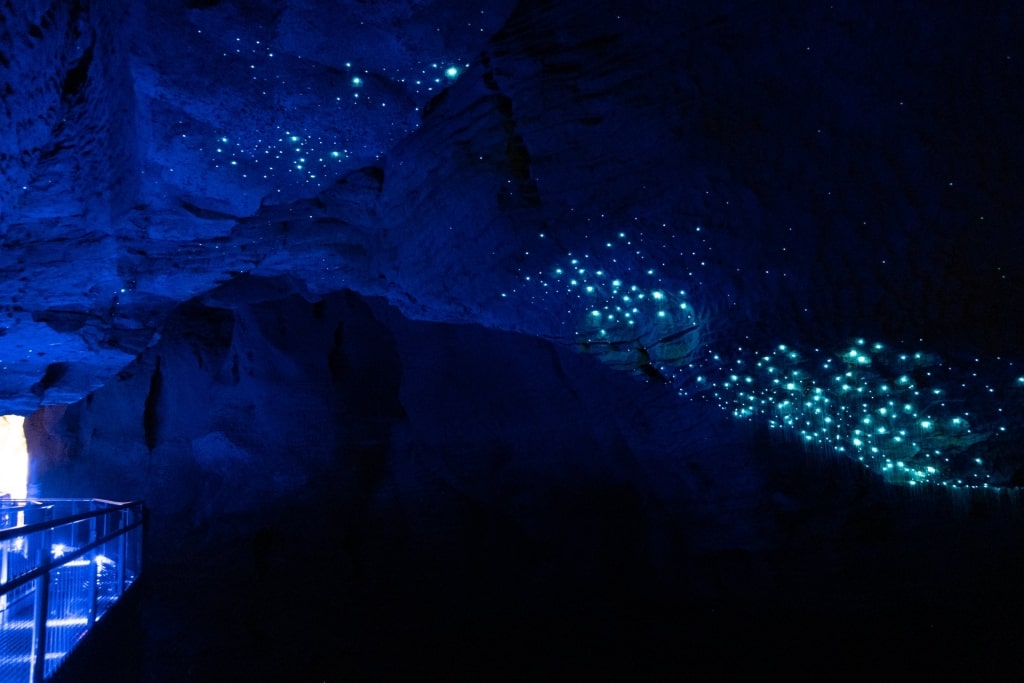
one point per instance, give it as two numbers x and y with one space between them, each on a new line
63 564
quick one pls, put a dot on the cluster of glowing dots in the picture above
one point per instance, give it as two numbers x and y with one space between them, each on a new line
305 158
888 410
613 293
307 155
432 77
422 80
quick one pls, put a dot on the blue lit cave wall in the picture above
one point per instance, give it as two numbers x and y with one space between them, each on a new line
549 339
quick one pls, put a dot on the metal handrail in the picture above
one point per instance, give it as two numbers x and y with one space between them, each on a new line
66 558
15 531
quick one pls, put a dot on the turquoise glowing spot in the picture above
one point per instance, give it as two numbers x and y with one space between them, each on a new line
616 283
658 295
926 424
596 314
357 81
451 72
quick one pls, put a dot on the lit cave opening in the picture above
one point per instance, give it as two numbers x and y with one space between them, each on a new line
13 457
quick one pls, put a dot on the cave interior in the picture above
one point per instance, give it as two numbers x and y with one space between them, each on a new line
551 340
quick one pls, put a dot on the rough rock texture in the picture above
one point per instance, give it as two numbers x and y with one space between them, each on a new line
312 279
159 145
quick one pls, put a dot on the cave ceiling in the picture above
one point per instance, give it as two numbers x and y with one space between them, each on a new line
682 192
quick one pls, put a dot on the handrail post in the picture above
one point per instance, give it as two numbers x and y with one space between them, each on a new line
122 549
94 574
40 610
4 571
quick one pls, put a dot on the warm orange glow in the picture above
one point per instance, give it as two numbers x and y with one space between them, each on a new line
13 457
